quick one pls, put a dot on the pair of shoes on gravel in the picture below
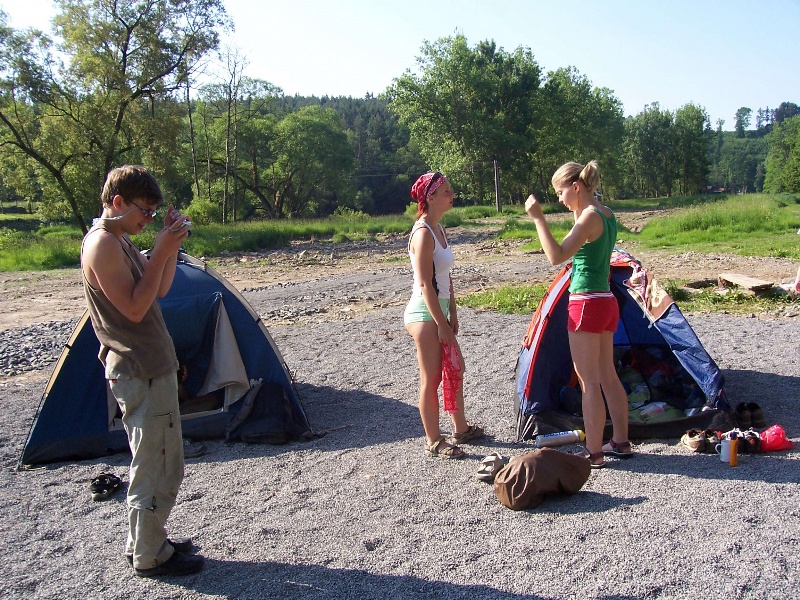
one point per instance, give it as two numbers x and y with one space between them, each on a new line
473 432
749 442
490 466
701 440
441 448
104 485
177 564
618 449
182 545
749 415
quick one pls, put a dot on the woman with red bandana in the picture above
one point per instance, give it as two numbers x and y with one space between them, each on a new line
430 316
593 311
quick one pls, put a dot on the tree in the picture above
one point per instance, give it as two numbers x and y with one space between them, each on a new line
786 110
385 162
742 120
109 104
651 151
314 161
692 137
469 107
298 165
739 162
576 122
783 158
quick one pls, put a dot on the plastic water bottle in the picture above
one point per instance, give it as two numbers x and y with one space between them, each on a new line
560 438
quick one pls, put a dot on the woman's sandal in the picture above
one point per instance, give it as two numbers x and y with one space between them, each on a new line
441 449
593 456
473 432
620 450
104 485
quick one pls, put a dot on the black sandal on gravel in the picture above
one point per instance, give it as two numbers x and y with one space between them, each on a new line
441 449
104 485
623 450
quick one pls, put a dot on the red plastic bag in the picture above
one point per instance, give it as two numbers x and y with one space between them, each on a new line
774 439
451 376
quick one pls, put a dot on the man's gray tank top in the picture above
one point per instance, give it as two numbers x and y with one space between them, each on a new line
142 350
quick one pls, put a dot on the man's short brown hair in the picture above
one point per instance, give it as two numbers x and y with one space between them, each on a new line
131 182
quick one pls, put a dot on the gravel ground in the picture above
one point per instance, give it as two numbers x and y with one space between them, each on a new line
360 512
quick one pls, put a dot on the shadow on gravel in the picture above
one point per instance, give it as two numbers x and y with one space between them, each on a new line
366 417
771 467
236 579
776 394
584 502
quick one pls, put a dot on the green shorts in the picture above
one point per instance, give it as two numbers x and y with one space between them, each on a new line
417 311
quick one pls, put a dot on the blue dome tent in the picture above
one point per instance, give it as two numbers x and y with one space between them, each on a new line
228 359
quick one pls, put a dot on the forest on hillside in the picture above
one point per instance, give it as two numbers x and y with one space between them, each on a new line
239 148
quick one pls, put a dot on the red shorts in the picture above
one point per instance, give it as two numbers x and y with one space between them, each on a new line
593 312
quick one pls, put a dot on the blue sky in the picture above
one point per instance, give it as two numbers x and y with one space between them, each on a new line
720 55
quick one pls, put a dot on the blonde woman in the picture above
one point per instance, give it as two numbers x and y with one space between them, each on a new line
593 310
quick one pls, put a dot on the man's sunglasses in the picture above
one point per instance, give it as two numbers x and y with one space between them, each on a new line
146 211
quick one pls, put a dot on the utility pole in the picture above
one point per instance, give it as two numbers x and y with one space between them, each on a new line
497 187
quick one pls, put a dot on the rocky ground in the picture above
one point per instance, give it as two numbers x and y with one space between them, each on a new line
360 512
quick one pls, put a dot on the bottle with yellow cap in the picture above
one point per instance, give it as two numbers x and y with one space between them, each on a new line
560 438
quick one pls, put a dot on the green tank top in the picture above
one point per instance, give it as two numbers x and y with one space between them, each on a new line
591 265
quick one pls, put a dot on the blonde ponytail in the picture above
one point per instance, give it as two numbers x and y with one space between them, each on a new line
571 172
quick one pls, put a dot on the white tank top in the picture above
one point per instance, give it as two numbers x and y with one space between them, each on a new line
443 261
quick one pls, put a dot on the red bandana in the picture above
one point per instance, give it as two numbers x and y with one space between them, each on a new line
426 185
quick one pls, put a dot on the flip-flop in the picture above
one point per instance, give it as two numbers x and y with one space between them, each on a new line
104 485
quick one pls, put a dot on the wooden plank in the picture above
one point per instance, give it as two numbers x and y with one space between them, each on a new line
745 281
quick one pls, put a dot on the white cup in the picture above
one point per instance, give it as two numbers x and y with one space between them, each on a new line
724 451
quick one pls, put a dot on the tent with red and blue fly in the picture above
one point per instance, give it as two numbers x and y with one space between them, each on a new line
672 383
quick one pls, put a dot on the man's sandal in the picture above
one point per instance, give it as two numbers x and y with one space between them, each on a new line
441 449
620 450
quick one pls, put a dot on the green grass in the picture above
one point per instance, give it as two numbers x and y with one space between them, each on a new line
54 247
524 229
525 300
507 300
755 225
709 299
48 248
640 204
752 225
